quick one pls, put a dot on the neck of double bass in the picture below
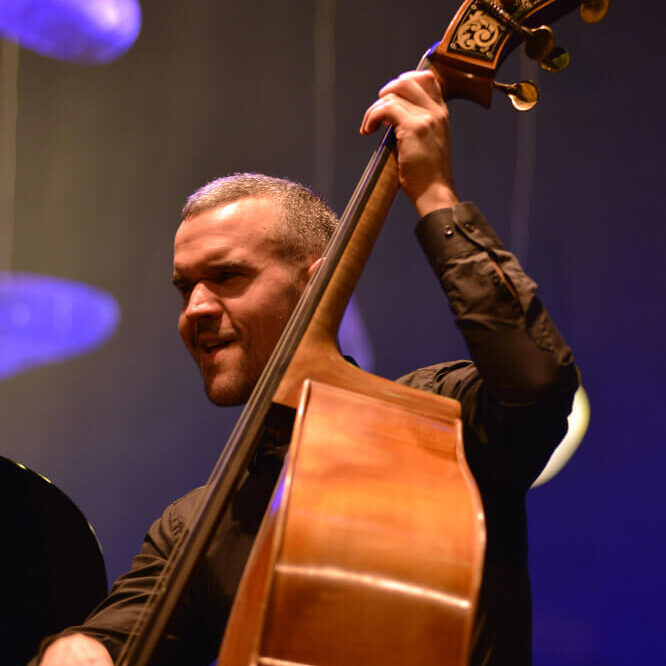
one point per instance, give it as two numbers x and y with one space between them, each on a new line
345 258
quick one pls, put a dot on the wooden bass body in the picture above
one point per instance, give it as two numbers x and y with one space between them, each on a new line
371 551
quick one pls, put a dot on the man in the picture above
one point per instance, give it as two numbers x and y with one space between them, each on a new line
243 254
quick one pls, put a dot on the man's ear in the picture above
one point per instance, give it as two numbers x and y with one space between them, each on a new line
314 266
305 275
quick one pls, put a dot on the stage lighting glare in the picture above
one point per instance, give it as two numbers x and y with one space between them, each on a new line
46 320
579 420
87 32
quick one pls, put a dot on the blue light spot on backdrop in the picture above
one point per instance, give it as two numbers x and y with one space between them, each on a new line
354 338
278 495
88 32
45 320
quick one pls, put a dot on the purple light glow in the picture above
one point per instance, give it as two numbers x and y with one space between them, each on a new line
45 320
354 338
87 32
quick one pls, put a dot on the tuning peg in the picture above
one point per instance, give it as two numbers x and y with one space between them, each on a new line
523 95
556 61
593 11
540 45
539 42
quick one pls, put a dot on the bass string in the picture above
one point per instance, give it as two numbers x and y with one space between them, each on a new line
244 438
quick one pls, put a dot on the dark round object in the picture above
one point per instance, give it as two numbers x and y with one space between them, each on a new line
52 567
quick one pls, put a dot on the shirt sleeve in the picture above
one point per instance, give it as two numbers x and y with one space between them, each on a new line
193 634
515 396
517 393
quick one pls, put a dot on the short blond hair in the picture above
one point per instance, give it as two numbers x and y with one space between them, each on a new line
307 221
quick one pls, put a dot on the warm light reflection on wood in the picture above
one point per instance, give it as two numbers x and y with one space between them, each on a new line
268 661
372 580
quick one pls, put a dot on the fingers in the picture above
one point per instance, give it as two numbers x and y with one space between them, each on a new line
409 95
76 650
414 106
421 88
382 111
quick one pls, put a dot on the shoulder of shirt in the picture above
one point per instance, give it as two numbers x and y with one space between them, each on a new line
426 377
179 511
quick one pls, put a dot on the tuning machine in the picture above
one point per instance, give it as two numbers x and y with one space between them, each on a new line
540 45
593 11
556 61
539 42
523 96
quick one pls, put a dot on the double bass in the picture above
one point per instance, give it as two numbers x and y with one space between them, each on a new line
371 550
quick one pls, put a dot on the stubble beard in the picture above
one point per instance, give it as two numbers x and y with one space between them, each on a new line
225 391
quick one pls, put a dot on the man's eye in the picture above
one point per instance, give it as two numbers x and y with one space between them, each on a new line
184 289
225 276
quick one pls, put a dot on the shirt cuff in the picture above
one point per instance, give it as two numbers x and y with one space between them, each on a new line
452 232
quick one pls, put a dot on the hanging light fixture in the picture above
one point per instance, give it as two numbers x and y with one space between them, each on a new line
87 32
46 319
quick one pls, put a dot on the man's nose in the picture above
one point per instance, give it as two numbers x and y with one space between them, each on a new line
202 302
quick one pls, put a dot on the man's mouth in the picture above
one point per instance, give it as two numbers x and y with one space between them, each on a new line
214 345
211 347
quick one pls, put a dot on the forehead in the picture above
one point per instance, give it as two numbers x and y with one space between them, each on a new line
243 226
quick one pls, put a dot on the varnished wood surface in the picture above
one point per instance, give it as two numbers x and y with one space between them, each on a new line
247 616
316 357
377 545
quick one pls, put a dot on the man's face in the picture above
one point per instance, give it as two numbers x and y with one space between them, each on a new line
238 292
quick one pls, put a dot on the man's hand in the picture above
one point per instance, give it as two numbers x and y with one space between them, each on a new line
76 650
413 104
